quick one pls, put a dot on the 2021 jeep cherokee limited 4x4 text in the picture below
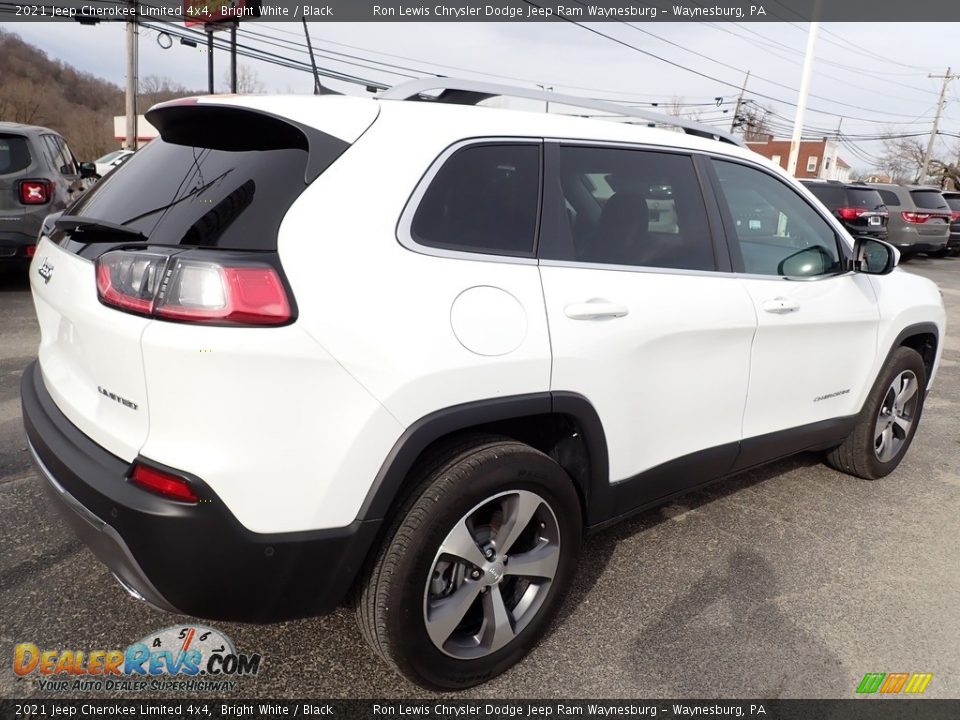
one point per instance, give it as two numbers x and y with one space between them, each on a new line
300 345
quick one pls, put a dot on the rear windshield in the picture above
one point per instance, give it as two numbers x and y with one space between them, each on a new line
953 202
215 178
861 197
14 154
929 199
831 196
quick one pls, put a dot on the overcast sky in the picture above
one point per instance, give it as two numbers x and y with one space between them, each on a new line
873 76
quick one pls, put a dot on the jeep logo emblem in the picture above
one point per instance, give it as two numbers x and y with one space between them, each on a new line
46 271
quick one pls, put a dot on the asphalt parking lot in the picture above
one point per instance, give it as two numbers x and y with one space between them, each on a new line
789 581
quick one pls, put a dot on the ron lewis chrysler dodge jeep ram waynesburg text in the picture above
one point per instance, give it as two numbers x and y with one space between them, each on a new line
416 348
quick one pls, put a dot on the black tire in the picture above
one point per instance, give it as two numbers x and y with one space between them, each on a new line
859 454
393 605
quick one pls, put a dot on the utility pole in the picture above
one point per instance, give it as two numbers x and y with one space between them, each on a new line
804 91
947 77
317 87
210 88
736 112
233 57
131 101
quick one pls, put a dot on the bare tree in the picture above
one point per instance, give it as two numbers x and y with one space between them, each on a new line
20 101
901 158
156 89
677 108
248 81
753 121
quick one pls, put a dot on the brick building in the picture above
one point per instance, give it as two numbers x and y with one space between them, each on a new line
817 159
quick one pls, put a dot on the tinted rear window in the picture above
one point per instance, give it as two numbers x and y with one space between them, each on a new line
928 199
831 196
484 199
861 197
216 178
14 154
953 202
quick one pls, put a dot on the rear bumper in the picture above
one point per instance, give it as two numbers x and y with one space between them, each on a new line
196 559
13 245
921 246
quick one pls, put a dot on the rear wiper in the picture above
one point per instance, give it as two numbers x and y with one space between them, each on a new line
102 230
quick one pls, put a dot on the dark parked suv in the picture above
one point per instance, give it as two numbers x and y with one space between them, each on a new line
859 207
919 218
38 176
953 200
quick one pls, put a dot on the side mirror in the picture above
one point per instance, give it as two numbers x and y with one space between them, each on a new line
809 262
88 170
873 257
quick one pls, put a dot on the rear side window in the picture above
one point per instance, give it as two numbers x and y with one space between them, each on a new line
630 207
929 199
216 177
14 154
484 199
889 197
831 196
863 198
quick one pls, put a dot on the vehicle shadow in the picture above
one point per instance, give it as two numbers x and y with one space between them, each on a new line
727 619
599 548
14 278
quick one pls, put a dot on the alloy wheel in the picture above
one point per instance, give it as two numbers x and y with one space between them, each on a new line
491 574
896 416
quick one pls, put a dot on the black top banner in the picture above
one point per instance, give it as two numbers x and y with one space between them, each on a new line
201 11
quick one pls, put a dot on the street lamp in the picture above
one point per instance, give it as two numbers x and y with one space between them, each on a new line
546 88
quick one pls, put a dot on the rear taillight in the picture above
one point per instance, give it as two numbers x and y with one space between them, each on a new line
915 217
851 213
35 192
189 289
163 483
31 250
955 215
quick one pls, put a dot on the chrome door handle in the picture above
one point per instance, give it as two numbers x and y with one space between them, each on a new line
780 305
595 310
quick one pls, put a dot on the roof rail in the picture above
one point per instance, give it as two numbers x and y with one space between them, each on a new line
470 92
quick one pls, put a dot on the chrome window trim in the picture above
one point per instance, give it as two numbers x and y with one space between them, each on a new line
405 223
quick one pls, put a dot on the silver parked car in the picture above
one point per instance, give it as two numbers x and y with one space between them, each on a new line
919 219
38 176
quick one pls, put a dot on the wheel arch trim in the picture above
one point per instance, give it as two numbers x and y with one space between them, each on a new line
390 479
923 328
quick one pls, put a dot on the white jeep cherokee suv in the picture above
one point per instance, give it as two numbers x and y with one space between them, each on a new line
300 345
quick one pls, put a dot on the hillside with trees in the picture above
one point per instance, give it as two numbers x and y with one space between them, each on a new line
38 90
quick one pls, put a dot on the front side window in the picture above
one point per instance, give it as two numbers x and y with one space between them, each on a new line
485 199
631 207
778 233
